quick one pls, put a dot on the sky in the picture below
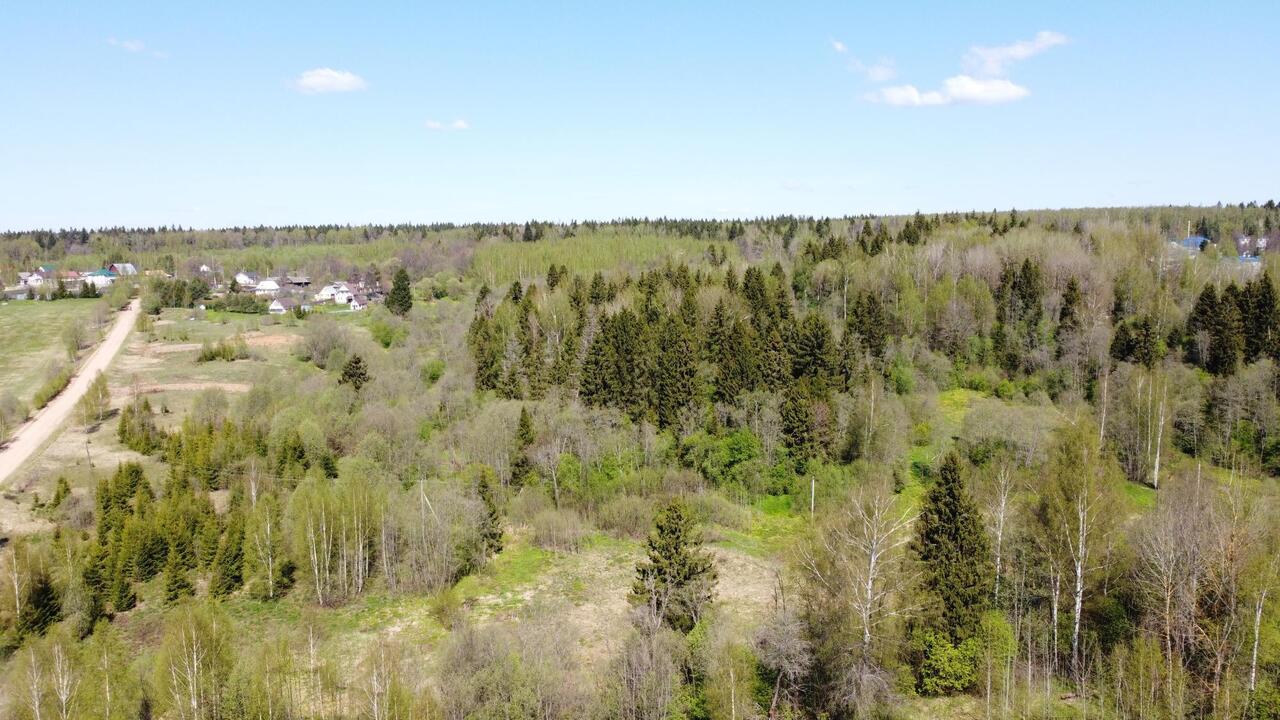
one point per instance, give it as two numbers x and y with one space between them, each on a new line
246 113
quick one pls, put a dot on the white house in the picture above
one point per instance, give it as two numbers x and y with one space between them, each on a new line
205 269
269 287
99 278
281 306
122 269
335 293
359 302
244 279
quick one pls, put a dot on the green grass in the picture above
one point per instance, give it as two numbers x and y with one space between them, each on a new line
512 570
500 262
1140 497
31 335
775 525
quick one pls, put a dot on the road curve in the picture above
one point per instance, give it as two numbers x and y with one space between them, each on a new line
35 432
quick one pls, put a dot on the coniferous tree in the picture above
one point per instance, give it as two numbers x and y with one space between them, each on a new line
42 606
354 373
177 584
491 527
228 564
677 578
520 463
814 354
400 299
675 375
954 553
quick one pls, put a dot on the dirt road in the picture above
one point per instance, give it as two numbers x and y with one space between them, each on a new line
32 436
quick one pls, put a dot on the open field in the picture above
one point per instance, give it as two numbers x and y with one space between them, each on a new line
31 335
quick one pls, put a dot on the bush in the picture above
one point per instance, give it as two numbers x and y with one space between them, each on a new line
947 668
57 380
326 344
626 516
432 371
226 349
562 530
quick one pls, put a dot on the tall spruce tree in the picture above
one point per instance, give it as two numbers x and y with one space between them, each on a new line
228 564
42 606
400 299
957 570
677 578
676 371
177 584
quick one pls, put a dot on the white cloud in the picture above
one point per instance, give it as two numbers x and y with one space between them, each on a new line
966 89
328 80
458 124
955 90
984 83
132 46
906 96
996 60
839 47
880 71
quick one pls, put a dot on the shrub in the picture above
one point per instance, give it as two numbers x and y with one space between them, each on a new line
947 668
57 380
432 371
326 344
562 530
226 349
626 516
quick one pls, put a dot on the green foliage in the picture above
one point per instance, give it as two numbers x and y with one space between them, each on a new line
226 349
354 373
400 299
677 578
954 553
947 668
55 382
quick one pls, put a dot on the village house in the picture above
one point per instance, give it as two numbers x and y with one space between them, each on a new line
336 292
99 278
246 280
268 287
123 269
282 306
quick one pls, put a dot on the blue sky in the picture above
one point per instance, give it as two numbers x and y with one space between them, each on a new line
226 113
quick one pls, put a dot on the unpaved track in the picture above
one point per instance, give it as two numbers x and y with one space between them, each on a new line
32 436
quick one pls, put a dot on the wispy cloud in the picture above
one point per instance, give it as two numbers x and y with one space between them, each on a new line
984 82
327 80
136 46
839 46
130 45
880 71
996 60
458 124
958 89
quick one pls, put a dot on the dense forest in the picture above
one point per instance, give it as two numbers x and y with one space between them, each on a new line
988 464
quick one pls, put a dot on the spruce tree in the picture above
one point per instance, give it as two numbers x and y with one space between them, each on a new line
520 464
814 355
678 577
42 607
354 373
177 584
954 553
674 382
491 526
228 564
400 299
